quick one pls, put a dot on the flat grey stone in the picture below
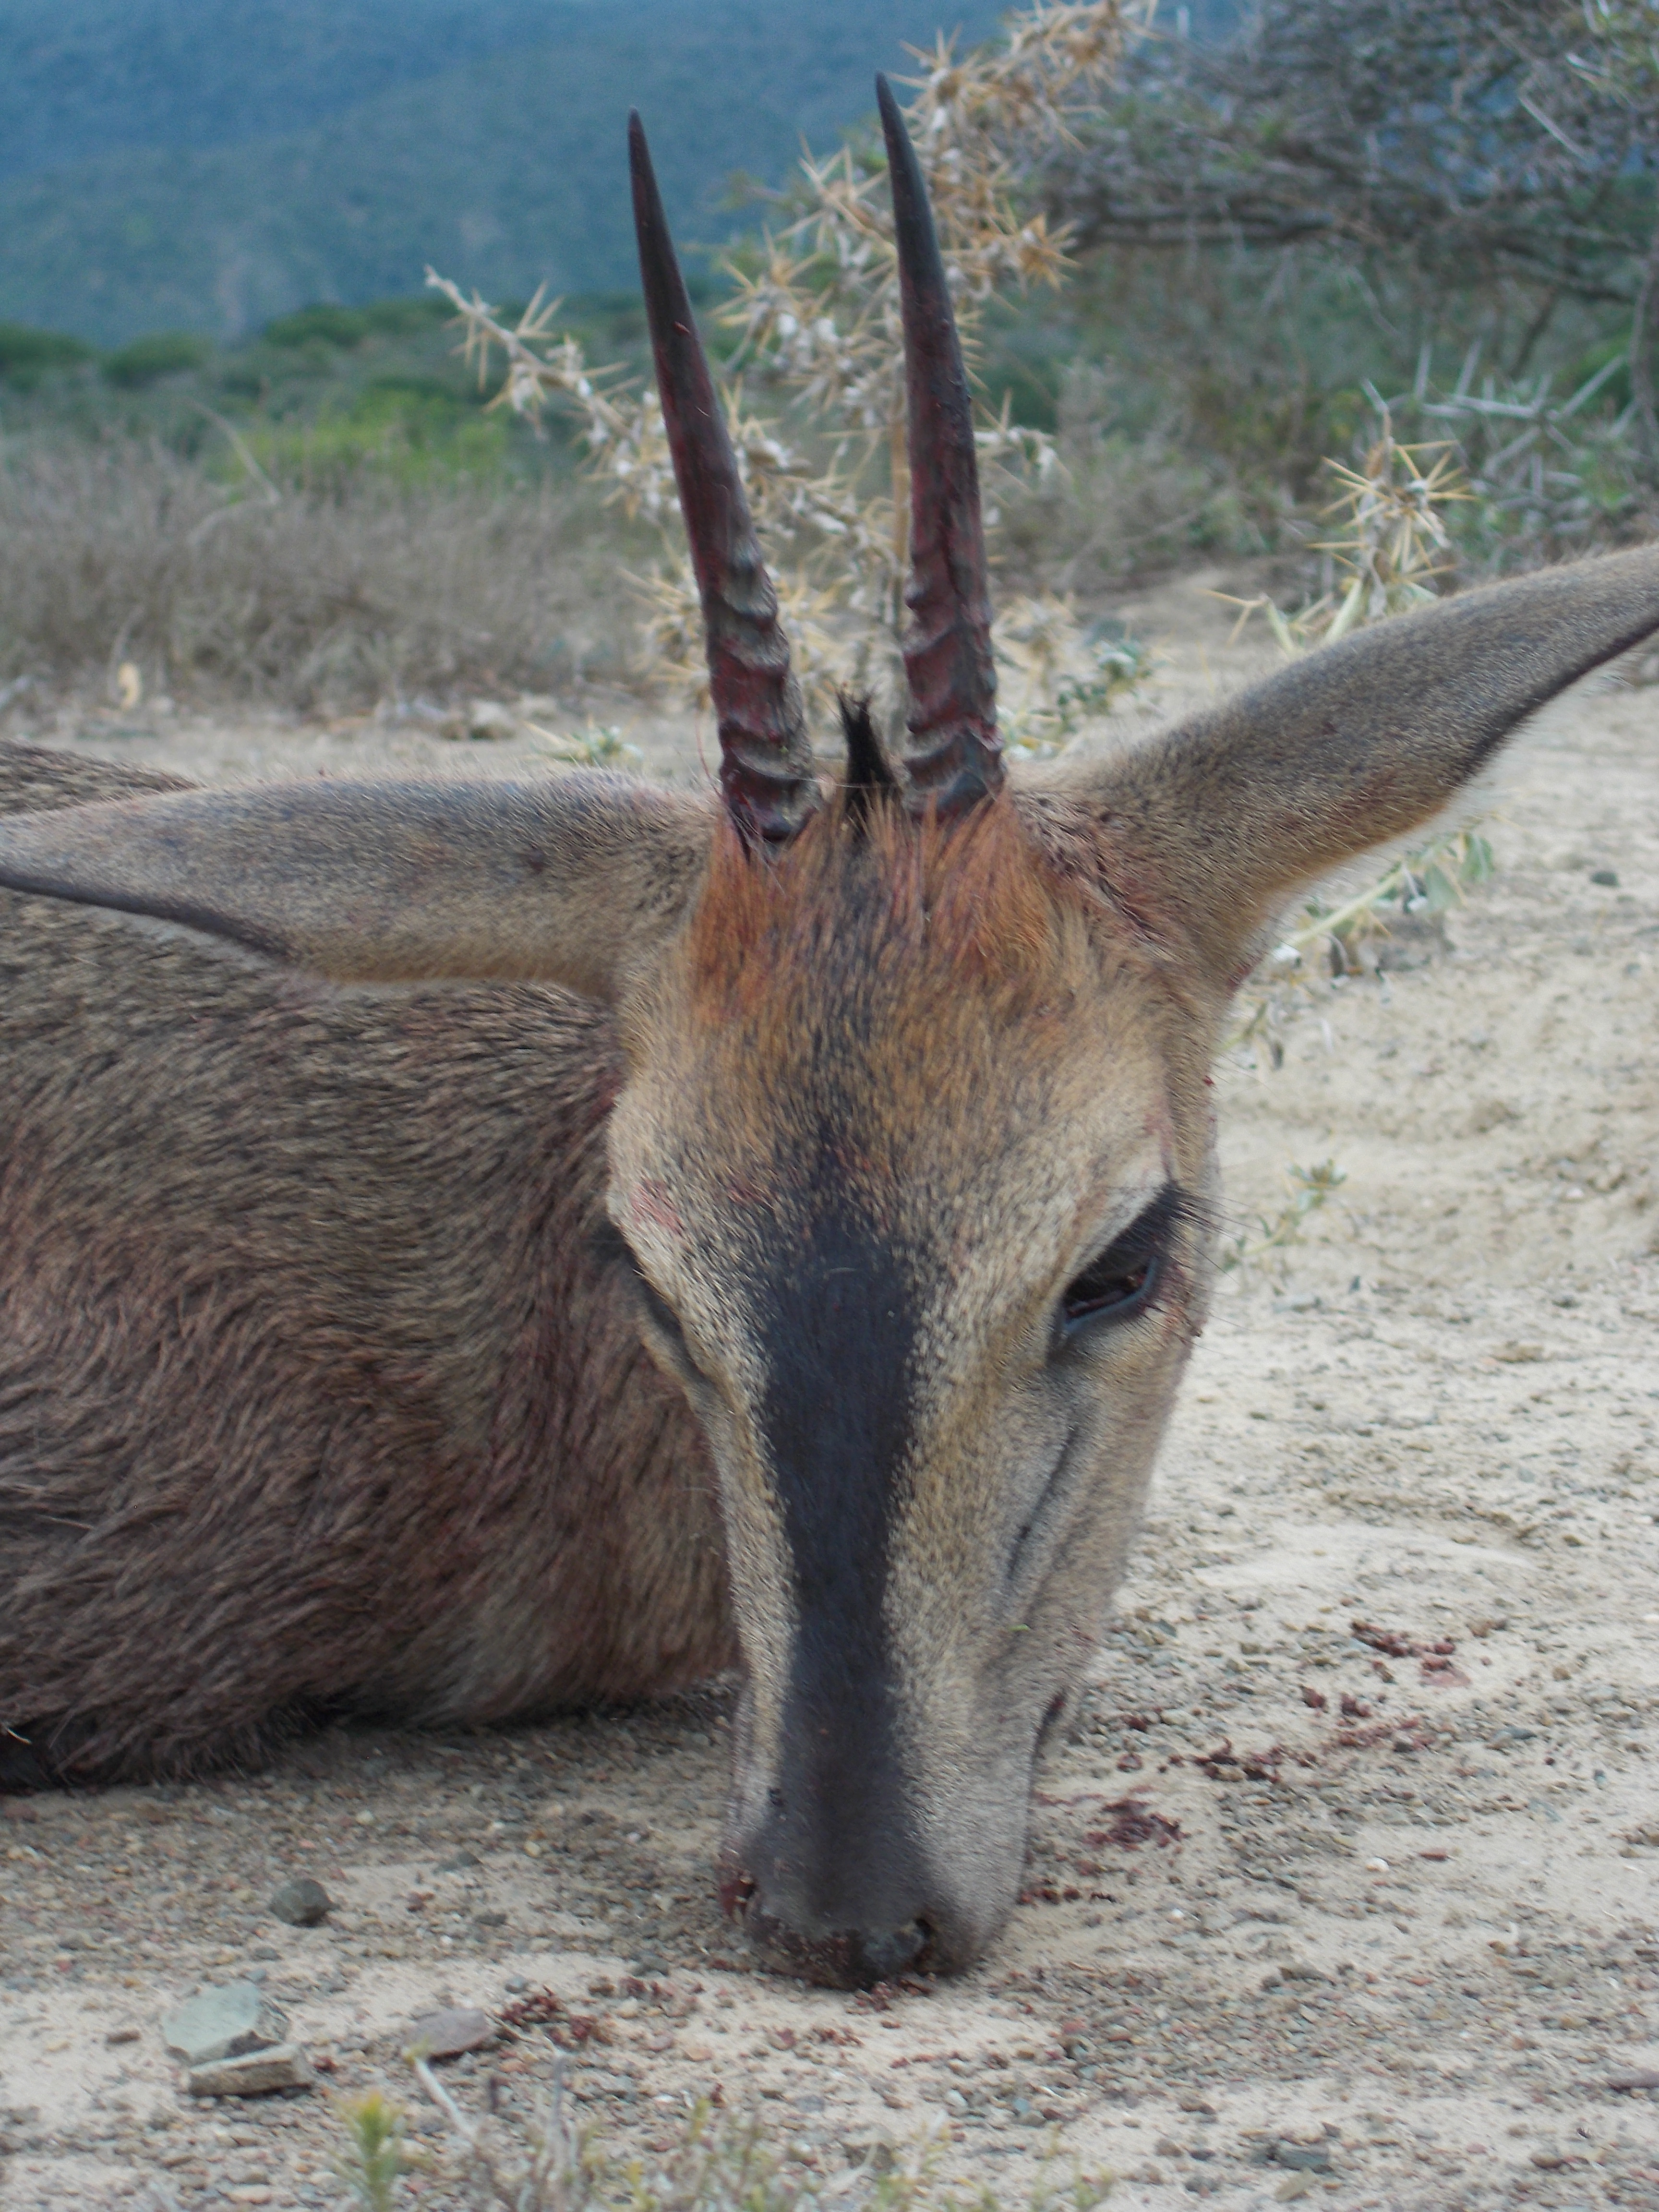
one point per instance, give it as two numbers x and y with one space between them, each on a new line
223 2023
255 2074
302 1902
1302 2158
446 2034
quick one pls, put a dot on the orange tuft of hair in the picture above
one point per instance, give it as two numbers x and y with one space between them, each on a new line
972 895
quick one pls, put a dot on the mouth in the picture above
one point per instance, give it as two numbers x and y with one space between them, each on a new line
836 1959
841 1959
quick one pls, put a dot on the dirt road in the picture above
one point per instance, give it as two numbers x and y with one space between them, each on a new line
1363 1916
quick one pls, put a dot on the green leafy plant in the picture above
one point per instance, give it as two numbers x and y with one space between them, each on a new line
1274 1233
147 359
407 431
1058 675
599 745
27 355
373 2158
1547 476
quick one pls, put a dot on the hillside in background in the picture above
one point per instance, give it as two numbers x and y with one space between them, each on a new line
205 165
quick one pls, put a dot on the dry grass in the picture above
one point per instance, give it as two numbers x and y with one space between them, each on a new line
1122 503
539 2157
317 600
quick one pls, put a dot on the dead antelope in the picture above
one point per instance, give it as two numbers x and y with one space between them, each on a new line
466 1251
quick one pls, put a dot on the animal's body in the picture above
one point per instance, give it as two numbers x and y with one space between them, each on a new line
360 1143
362 1421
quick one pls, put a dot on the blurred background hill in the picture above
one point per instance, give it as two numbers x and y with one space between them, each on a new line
216 217
205 165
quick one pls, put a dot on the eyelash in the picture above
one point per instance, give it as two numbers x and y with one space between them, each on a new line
611 1246
663 1316
1124 1279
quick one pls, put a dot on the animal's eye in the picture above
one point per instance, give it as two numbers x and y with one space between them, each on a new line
662 1315
656 1308
1120 1282
1113 1286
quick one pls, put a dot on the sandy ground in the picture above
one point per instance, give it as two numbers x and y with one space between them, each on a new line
1368 1919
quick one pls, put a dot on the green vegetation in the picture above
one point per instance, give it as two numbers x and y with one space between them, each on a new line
317 397
147 359
28 355
1449 205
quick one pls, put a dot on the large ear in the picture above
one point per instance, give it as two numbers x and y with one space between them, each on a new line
571 881
1219 820
33 778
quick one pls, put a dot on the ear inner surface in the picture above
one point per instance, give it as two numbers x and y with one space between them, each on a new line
766 759
1359 743
571 881
955 756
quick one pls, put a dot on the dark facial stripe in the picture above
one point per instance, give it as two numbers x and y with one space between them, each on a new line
841 1331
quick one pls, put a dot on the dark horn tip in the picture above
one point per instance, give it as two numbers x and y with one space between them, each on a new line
640 169
892 116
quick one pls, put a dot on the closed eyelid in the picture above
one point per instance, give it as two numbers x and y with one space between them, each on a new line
1160 1212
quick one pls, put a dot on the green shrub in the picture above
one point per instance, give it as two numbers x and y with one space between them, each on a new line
1611 354
333 326
405 319
26 355
405 429
147 359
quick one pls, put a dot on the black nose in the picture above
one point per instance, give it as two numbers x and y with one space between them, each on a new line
844 1958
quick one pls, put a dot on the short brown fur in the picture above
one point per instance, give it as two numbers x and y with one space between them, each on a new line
466 1250
322 1377
346 1411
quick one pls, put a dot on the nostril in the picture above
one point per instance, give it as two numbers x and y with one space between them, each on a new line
735 1893
844 1958
1057 1708
897 1951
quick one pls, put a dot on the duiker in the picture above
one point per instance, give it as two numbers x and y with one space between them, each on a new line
466 1250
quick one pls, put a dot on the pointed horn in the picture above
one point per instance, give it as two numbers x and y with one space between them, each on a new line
954 754
766 761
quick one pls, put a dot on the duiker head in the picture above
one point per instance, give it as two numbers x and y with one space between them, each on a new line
911 1170
911 1162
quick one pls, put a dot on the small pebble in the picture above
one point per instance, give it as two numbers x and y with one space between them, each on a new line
302 1902
446 2034
1302 2158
